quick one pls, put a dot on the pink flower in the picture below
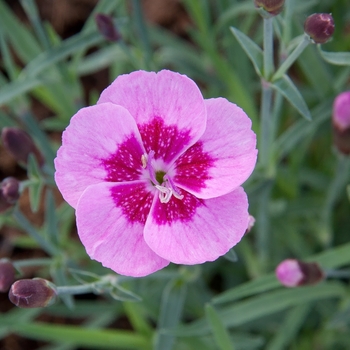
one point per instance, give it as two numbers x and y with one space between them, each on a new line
154 173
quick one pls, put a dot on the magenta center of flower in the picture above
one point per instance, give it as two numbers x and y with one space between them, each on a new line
159 179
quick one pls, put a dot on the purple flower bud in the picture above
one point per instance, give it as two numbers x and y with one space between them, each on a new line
31 293
319 27
20 145
106 27
293 273
10 189
271 7
341 122
7 274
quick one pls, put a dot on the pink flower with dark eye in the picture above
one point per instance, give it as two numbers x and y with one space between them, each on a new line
154 173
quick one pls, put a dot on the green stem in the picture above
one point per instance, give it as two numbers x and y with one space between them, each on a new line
95 287
268 48
265 127
291 58
31 262
337 273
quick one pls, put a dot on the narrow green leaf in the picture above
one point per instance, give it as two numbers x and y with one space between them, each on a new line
265 283
121 294
58 273
252 50
36 184
51 220
348 191
286 87
231 255
172 302
82 337
289 328
264 305
219 331
81 41
33 233
22 40
336 58
18 88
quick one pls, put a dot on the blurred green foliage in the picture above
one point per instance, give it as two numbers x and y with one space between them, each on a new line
303 203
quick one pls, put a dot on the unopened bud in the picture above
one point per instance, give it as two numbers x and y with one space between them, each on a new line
251 223
271 7
341 122
319 27
31 293
106 27
10 189
9 193
20 145
294 273
7 274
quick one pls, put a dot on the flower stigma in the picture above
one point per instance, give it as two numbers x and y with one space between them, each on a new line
160 180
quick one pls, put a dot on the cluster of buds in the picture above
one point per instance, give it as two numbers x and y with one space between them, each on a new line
294 273
341 122
9 193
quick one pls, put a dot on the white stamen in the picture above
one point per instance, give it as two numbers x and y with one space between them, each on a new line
144 161
167 188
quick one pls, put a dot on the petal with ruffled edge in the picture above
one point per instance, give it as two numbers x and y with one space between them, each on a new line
102 143
110 221
225 155
168 107
193 231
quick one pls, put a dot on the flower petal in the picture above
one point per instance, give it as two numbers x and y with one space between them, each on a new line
102 143
192 231
168 108
225 155
110 221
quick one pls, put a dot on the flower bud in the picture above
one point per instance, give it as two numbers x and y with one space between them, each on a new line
31 293
319 27
251 223
7 274
341 122
10 189
20 145
293 273
106 27
271 7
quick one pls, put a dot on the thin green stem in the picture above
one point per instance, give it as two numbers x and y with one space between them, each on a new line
268 48
291 58
265 127
31 262
95 287
337 273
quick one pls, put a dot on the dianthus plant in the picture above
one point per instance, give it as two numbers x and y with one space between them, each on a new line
154 173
